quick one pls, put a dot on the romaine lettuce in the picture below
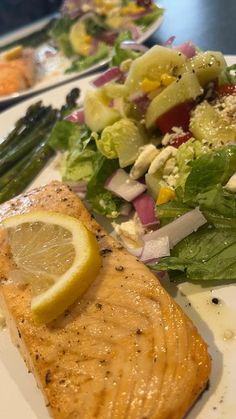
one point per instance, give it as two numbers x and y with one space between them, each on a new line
82 63
208 254
60 35
151 17
121 140
101 200
81 154
208 171
63 134
228 76
120 54
186 154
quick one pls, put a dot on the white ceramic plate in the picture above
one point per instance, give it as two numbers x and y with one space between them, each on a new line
20 397
56 75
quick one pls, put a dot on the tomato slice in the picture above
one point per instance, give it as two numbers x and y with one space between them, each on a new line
226 89
179 116
181 139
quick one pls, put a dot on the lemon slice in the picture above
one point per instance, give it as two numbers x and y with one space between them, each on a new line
56 255
81 42
13 53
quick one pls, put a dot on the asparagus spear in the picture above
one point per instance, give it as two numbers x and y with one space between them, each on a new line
17 168
25 151
23 178
31 140
23 126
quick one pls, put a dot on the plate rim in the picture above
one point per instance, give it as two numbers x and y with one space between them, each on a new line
199 414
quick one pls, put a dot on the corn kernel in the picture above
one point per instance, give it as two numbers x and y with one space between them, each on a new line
165 195
87 39
149 85
167 79
131 8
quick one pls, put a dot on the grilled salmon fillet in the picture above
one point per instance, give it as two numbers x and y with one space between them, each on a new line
18 74
125 350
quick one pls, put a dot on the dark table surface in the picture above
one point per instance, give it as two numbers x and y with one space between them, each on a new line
211 24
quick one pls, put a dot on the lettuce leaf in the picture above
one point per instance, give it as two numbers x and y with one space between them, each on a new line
82 63
186 154
62 134
81 154
151 17
120 54
121 140
208 254
219 200
208 171
171 210
60 34
228 75
101 200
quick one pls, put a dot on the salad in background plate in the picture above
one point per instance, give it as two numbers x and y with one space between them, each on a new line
77 39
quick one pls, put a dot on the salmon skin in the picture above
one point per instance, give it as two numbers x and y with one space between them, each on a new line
125 350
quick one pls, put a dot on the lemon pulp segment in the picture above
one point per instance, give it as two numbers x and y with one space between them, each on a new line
57 255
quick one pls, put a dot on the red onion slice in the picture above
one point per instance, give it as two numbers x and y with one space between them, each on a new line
80 186
145 207
77 117
188 49
135 31
180 228
123 186
133 45
111 74
169 41
155 249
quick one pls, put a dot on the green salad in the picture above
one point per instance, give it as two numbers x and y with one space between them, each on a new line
155 140
86 31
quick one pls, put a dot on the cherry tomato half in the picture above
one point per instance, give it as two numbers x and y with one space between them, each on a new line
179 116
181 139
226 89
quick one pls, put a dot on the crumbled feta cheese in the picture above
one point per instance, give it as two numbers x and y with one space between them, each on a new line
130 232
170 136
231 184
169 166
146 156
226 107
161 159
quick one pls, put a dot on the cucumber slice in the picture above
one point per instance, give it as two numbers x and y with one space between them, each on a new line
206 65
182 90
97 112
207 125
153 183
153 64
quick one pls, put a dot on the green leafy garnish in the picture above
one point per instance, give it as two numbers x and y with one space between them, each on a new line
120 54
208 254
151 17
121 140
228 76
81 63
101 200
60 35
208 171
